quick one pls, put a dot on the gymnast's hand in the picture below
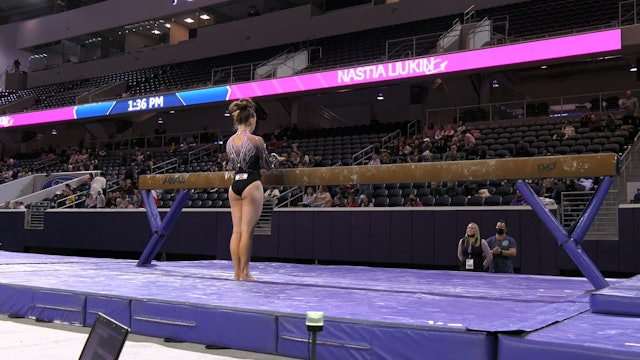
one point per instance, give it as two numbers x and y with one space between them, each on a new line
273 157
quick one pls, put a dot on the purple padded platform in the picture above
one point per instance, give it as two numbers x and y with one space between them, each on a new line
587 336
369 312
623 298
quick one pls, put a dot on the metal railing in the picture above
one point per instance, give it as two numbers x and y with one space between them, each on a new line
604 225
156 141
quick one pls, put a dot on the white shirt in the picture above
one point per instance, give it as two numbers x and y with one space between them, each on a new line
97 184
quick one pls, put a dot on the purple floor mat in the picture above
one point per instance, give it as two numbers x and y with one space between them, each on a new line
622 298
401 296
372 313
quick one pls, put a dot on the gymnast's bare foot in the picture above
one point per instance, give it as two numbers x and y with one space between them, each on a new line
247 277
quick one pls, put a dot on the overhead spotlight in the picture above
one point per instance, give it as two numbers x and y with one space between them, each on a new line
155 31
160 121
54 132
189 20
633 68
227 113
495 84
380 96
205 17
543 67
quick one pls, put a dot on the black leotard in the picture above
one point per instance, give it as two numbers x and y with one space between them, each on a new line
246 160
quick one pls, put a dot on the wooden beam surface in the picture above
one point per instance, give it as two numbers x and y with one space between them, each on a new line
586 165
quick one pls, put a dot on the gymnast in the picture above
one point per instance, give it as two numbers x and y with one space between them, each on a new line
247 156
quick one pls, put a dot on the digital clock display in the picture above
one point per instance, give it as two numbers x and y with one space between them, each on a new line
155 102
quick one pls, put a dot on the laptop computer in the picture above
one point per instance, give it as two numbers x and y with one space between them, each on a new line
106 339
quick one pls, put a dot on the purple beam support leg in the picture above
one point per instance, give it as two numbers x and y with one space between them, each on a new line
573 249
152 210
162 231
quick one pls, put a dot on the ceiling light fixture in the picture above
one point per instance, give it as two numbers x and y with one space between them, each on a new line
380 96
205 17
633 68
189 20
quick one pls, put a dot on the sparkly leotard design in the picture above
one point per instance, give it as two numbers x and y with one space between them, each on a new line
246 159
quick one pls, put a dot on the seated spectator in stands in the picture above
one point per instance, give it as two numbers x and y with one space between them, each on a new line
101 201
18 205
584 120
413 201
469 143
595 124
273 143
90 202
451 190
429 132
172 148
6 205
375 159
436 189
321 197
125 204
440 147
521 150
386 158
136 199
452 154
449 133
439 134
460 130
366 201
337 201
568 130
519 199
308 197
351 202
611 123
272 193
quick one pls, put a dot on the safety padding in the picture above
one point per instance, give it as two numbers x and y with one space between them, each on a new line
227 328
58 306
587 336
342 340
117 309
620 299
15 300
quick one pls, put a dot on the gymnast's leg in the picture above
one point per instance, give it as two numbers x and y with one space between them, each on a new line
252 199
236 203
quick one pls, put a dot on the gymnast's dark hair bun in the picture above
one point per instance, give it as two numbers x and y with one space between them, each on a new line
242 111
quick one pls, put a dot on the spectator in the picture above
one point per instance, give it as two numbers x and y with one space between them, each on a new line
308 197
101 201
503 249
631 109
413 201
321 197
272 193
473 251
351 202
98 183
452 154
519 199
375 159
568 130
90 202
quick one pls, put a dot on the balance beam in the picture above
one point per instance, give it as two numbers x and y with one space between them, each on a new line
586 165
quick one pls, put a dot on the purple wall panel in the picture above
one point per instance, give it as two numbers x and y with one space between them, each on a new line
291 226
447 236
422 237
607 252
361 235
627 258
384 236
400 236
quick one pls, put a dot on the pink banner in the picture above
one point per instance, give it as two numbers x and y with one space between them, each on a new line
37 117
575 45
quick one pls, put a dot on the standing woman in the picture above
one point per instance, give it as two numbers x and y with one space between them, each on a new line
473 251
247 155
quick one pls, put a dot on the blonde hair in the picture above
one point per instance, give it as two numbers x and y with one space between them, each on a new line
242 110
476 239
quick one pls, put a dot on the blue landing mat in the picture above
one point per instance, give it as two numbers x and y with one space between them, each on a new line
622 298
369 312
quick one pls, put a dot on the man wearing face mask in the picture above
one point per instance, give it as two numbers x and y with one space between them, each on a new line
503 248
